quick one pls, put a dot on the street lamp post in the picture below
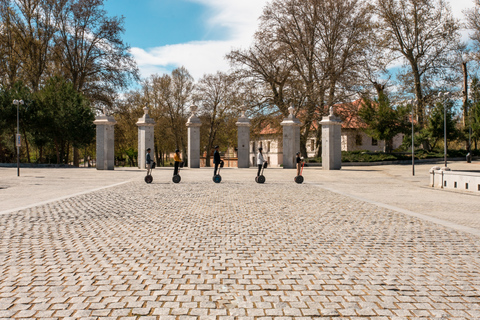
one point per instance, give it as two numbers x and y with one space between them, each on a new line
413 103
445 96
17 137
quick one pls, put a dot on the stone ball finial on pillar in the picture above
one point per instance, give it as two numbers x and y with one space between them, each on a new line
291 139
291 110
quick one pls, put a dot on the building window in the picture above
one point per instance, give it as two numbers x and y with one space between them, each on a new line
374 142
253 146
358 140
312 145
260 144
268 146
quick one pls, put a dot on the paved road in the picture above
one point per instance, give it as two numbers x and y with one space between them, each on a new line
345 244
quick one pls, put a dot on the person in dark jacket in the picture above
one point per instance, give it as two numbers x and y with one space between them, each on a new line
299 162
216 160
148 162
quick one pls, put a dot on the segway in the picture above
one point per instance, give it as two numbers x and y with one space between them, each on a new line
176 178
148 177
299 179
261 177
218 178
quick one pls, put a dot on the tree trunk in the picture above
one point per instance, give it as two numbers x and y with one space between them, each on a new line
67 154
465 93
57 150
76 157
418 94
27 147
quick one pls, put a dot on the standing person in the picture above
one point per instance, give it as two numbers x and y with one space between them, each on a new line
177 160
148 162
260 161
216 160
299 163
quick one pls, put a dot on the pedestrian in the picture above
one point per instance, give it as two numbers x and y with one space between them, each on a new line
148 162
177 160
216 160
299 163
260 160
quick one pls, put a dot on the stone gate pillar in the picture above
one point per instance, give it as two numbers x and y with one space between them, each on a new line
243 152
291 139
105 142
331 142
146 126
194 125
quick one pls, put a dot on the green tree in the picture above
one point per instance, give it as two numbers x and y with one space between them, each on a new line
434 132
383 121
8 117
68 114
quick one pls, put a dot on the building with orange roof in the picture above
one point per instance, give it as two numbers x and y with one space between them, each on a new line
353 137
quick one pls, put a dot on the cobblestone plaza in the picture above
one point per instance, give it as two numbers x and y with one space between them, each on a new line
360 243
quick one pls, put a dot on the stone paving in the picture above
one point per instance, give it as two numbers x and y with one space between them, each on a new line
236 250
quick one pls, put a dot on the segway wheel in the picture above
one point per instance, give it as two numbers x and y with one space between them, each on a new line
217 178
299 179
148 179
256 179
176 178
260 179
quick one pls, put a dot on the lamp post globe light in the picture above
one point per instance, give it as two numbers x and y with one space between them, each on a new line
18 137
413 103
444 96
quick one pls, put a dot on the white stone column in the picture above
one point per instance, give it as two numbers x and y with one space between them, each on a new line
291 139
146 126
331 142
243 147
105 142
194 125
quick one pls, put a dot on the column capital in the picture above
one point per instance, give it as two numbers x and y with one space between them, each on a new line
104 120
291 120
193 120
146 120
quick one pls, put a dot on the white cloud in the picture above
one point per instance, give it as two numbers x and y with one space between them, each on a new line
239 17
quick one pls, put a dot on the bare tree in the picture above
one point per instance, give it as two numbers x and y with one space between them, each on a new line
217 93
28 29
172 96
91 52
425 34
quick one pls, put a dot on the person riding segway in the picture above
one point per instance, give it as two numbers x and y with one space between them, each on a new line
300 163
178 164
262 165
150 165
218 163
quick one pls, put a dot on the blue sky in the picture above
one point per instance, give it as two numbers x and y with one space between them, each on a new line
152 23
197 34
165 34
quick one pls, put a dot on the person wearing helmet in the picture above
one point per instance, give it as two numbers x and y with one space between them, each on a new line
177 160
260 160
